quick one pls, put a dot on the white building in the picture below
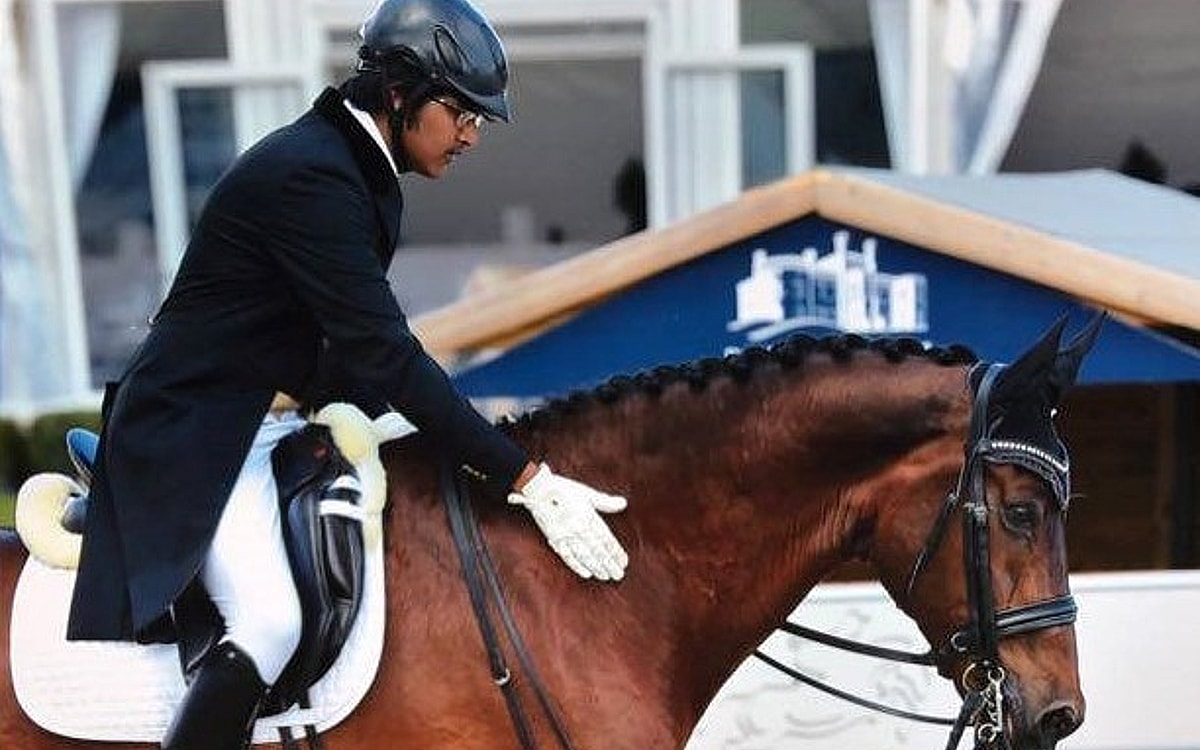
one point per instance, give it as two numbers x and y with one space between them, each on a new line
840 289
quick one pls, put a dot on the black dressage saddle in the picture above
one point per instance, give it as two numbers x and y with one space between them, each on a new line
319 497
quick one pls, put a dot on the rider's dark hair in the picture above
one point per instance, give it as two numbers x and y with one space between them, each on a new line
365 91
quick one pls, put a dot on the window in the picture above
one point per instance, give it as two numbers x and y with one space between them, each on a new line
113 216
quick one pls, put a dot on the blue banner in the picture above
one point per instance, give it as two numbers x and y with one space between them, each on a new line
816 277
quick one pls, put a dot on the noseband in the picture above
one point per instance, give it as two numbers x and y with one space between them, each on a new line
976 643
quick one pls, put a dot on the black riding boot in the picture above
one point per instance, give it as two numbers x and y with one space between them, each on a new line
221 704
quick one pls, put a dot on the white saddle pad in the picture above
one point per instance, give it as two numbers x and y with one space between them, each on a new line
129 692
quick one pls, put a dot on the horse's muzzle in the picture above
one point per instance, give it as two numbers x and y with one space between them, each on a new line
1056 721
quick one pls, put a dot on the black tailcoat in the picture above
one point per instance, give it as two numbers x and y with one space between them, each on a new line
282 288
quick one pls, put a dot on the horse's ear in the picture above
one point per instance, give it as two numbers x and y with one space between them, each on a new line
1033 368
1070 357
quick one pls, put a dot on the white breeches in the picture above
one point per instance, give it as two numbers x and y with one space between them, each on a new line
247 573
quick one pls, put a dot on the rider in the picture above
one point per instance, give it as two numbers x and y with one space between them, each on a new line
281 303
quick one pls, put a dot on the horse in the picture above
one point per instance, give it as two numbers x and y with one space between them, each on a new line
750 478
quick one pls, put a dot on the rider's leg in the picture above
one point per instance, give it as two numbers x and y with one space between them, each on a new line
247 573
248 577
219 708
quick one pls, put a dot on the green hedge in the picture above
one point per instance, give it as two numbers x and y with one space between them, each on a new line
45 439
14 456
29 449
38 447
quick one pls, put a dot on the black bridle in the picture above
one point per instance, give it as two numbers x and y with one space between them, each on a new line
976 643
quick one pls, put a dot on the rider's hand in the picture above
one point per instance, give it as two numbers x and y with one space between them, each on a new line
566 512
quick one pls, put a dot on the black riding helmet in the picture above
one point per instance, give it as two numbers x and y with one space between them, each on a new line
431 46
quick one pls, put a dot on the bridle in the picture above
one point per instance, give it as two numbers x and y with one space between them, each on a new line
977 642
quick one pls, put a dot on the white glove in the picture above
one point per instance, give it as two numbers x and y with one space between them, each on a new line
566 512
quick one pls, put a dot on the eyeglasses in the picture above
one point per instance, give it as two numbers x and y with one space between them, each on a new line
462 116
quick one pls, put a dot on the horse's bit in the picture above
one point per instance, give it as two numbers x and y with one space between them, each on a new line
978 641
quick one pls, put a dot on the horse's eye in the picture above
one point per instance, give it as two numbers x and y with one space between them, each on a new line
1022 515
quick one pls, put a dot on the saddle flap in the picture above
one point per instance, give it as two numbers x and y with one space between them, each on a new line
319 496
126 692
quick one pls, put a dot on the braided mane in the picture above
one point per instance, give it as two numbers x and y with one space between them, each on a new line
788 354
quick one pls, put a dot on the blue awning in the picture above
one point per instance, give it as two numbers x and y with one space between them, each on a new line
818 277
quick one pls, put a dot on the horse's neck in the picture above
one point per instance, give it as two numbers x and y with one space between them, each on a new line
742 497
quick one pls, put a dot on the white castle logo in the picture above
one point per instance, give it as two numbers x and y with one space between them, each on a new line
841 289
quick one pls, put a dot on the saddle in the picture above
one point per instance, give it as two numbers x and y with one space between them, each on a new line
319 497
322 521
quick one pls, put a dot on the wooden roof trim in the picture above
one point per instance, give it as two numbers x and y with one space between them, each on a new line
1109 281
570 285
526 306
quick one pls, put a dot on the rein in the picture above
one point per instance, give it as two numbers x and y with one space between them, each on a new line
978 641
479 573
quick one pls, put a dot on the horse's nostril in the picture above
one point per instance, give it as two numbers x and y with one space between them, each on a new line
1057 721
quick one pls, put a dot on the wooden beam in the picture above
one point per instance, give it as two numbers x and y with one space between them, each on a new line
587 278
528 305
1111 282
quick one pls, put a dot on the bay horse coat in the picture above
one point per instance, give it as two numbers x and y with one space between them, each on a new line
283 288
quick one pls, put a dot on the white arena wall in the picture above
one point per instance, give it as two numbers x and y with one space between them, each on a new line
1139 655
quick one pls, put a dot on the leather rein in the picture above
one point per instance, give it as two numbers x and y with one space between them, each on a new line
977 642
479 573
